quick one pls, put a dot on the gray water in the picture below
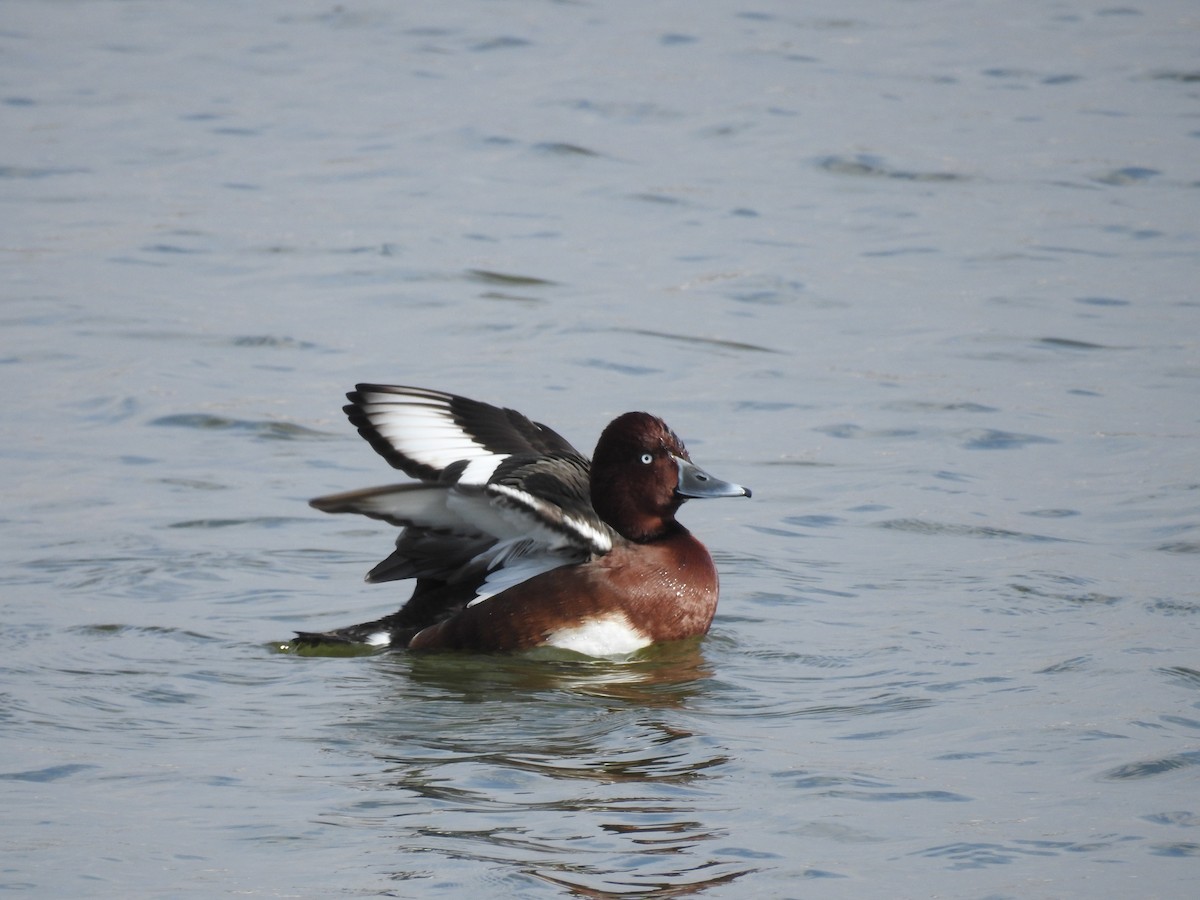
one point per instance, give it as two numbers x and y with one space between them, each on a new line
923 274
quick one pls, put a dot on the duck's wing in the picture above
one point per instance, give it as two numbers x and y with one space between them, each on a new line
548 499
498 490
422 432
436 542
530 506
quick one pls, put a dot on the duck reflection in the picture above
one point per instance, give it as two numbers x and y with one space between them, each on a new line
659 675
589 775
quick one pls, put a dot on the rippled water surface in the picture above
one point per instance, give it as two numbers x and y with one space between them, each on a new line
923 274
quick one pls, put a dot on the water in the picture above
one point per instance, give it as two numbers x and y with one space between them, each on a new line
921 274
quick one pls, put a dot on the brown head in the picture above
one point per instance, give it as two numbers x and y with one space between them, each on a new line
642 474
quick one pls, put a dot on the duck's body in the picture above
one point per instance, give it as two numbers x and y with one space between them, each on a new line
517 542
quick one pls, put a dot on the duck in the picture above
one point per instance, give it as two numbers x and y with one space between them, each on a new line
518 541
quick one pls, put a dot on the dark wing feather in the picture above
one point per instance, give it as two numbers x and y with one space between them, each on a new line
420 431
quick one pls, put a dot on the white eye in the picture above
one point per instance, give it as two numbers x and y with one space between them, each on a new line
647 459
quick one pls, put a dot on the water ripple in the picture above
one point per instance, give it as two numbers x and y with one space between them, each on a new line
994 439
1152 768
48 774
1187 677
922 526
978 855
868 166
625 783
1179 848
270 430
1183 818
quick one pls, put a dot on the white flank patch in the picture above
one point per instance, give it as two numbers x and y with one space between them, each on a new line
610 635
379 639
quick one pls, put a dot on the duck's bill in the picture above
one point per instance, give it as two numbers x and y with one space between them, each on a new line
694 482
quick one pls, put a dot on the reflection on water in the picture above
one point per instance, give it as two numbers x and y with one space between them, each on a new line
658 675
586 774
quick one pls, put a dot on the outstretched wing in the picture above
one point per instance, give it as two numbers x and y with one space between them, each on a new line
499 493
422 432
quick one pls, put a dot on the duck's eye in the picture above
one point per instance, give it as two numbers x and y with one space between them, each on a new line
647 459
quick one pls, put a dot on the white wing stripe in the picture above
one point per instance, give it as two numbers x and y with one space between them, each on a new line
480 469
542 515
428 435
